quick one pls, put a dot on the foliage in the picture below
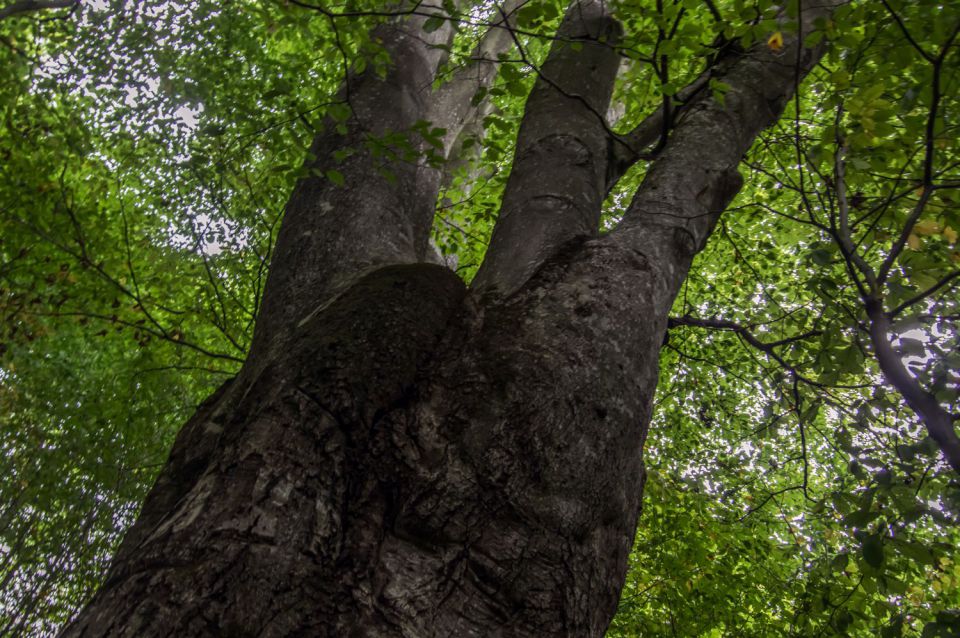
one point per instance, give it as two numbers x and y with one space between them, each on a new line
147 150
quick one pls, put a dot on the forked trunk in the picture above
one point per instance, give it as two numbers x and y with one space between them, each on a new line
414 465
402 457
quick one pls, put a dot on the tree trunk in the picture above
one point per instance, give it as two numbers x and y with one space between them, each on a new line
403 457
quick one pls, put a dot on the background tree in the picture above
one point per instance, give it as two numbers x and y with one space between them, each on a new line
161 143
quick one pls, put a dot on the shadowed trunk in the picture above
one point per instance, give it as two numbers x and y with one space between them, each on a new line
403 457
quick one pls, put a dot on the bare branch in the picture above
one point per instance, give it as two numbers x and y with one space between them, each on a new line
928 159
743 331
906 33
924 294
853 260
714 11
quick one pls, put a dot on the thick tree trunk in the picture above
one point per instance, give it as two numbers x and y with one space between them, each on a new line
407 469
402 457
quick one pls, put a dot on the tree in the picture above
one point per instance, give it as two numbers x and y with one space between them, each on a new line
400 454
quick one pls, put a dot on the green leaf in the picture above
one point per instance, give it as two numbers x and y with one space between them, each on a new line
821 256
340 111
916 552
872 549
433 23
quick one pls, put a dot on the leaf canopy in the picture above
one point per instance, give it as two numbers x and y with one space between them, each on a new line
147 149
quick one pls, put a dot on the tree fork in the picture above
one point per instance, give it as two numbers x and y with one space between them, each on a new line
403 458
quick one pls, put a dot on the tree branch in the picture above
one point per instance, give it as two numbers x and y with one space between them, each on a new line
924 294
634 146
743 331
452 106
558 180
906 33
359 207
695 177
936 419
19 7
853 260
929 150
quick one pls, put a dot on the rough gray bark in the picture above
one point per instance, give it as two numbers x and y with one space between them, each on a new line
403 457
559 174
391 201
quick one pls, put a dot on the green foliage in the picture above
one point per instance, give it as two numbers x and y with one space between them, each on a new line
147 149
796 494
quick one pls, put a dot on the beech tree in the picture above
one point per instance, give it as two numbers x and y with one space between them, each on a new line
440 364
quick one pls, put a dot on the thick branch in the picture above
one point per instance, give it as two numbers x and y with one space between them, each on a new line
452 106
695 177
364 204
635 145
559 171
936 419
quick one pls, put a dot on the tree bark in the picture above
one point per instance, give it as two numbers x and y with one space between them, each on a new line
403 457
391 200
558 180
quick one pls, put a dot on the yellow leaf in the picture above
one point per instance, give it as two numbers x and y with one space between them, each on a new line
913 241
926 227
950 235
775 42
